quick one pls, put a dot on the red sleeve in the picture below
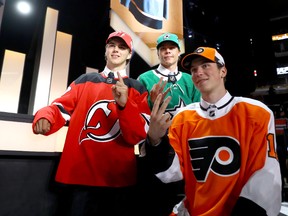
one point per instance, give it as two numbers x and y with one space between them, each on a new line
133 119
53 115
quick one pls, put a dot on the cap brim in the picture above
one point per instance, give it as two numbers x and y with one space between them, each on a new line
186 61
158 45
116 36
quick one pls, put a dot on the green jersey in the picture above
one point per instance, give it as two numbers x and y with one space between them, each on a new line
182 89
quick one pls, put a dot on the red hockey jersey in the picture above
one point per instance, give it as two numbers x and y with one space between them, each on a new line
99 146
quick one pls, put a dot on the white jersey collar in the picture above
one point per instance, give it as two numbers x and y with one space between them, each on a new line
106 71
219 104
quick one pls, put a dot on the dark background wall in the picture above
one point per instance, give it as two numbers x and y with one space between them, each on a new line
27 184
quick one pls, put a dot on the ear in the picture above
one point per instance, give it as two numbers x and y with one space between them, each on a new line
158 52
223 72
129 55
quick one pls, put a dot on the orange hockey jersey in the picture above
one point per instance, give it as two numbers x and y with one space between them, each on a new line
223 152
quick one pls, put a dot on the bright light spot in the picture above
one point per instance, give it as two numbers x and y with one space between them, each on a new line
255 73
24 7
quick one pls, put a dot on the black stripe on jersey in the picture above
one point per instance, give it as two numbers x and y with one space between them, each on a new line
90 77
164 75
98 78
221 107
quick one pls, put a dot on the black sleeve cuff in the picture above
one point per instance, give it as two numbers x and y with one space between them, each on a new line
159 157
247 207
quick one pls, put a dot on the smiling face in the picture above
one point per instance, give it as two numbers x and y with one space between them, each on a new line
208 77
117 53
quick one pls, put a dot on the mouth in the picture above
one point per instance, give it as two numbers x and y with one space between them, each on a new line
199 82
115 56
168 57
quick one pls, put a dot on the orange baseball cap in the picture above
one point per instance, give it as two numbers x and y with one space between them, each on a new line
206 52
124 36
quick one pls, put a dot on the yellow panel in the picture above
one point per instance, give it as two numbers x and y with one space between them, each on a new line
60 65
27 141
11 80
46 61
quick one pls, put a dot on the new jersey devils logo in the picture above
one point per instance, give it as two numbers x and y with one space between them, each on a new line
221 155
101 124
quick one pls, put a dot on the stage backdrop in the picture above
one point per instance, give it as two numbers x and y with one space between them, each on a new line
145 20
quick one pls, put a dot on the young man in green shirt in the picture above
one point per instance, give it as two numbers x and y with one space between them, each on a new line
166 78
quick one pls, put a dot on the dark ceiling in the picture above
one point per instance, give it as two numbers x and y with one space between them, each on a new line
243 31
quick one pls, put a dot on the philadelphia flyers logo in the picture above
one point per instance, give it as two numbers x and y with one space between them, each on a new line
220 155
101 124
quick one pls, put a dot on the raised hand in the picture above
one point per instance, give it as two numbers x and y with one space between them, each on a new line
157 89
120 91
159 120
42 126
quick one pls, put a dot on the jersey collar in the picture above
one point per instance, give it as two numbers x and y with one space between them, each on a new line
106 71
224 101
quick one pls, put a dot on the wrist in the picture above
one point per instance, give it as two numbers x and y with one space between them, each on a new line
120 107
152 141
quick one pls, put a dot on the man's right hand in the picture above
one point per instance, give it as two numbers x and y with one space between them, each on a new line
42 126
159 120
120 91
157 89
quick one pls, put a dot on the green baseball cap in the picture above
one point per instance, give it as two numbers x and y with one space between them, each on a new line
166 37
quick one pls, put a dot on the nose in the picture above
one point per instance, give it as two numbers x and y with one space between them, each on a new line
166 49
196 71
116 48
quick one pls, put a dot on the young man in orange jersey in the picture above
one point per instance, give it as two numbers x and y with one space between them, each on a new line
224 147
98 164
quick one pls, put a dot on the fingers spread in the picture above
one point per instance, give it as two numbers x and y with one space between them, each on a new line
165 104
160 82
163 85
159 108
166 92
156 104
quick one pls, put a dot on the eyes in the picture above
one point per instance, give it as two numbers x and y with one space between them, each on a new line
171 47
120 46
203 66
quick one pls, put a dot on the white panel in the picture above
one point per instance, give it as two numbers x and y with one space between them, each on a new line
46 60
11 80
25 140
61 65
91 70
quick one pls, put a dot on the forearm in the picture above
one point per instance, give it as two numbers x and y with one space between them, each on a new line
160 156
53 115
247 207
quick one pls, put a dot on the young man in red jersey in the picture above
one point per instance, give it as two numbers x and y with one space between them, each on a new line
98 164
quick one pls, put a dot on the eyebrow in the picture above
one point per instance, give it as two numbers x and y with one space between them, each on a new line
120 43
